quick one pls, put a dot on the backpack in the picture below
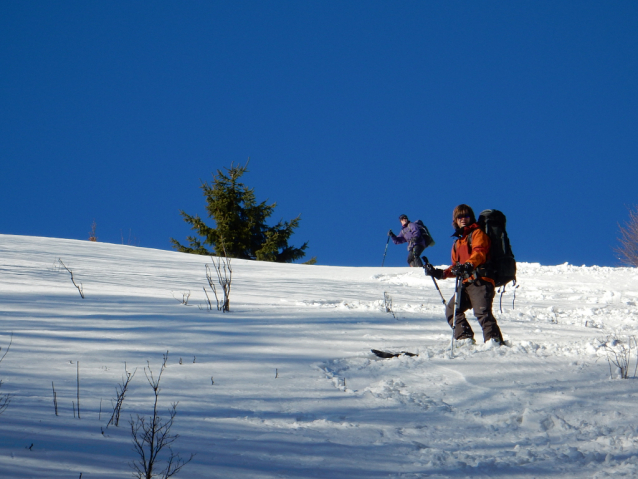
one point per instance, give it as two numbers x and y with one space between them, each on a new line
425 234
501 265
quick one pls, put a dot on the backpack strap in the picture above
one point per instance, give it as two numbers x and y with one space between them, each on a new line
469 242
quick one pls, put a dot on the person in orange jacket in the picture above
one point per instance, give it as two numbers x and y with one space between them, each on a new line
469 252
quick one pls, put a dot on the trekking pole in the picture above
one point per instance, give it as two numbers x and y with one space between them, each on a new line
458 291
426 263
386 250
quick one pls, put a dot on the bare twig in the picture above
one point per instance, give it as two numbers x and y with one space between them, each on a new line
210 305
5 399
119 399
92 234
80 288
211 283
185 296
152 434
55 399
628 249
8 347
619 353
224 272
78 387
132 240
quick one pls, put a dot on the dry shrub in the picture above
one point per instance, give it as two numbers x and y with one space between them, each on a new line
628 249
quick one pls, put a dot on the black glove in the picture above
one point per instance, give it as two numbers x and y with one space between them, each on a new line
434 272
390 233
462 269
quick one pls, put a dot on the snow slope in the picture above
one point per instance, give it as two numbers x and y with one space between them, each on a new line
285 386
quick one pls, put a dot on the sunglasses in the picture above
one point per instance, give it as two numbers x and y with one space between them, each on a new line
463 216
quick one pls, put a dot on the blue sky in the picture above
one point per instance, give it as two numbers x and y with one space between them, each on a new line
351 112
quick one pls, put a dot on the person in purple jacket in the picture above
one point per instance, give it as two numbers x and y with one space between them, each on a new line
411 234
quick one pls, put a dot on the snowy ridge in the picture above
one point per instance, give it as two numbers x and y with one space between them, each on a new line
285 385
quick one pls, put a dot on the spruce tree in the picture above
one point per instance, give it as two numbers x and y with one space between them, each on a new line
240 223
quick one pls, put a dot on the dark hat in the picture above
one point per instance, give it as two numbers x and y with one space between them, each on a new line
403 217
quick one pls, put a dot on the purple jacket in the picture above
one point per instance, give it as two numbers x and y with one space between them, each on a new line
411 234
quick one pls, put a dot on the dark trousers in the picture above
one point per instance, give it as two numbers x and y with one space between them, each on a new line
414 258
478 296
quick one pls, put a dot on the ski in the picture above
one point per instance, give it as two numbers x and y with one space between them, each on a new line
388 355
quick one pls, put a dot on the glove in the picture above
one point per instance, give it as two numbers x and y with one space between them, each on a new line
462 269
390 233
434 272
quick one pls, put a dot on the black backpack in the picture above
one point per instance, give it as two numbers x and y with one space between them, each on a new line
429 241
501 265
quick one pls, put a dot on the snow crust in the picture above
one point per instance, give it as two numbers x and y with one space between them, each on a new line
285 385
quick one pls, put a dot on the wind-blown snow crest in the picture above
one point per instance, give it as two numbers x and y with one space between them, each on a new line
285 385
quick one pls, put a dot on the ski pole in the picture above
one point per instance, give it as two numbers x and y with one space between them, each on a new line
426 263
386 250
457 300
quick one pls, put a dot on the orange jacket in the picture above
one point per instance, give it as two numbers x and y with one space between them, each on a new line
477 254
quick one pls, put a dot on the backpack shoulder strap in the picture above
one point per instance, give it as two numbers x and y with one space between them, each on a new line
469 240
